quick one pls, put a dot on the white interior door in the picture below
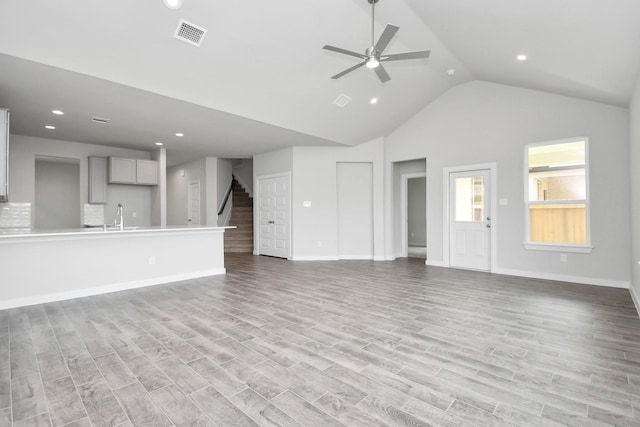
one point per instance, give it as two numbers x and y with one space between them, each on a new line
470 219
194 203
274 202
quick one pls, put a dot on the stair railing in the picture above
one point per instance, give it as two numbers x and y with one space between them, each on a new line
224 213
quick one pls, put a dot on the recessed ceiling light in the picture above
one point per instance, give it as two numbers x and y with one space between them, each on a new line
159 143
373 101
50 127
173 4
57 112
180 134
521 57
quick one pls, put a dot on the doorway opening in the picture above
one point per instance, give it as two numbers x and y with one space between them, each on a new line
416 212
410 208
57 193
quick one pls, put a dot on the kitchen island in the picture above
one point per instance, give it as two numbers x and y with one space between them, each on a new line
44 266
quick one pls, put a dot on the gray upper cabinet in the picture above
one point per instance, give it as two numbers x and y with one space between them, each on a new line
146 172
4 155
98 180
133 171
122 171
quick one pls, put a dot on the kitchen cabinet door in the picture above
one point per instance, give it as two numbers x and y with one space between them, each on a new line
122 171
146 172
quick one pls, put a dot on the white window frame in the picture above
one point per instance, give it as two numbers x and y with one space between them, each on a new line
557 247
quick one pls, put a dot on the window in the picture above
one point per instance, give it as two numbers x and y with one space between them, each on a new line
557 196
470 199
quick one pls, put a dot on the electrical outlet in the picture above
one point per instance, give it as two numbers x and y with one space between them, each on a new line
152 260
134 214
319 243
563 257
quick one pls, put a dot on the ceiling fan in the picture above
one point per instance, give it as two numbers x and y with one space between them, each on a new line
373 56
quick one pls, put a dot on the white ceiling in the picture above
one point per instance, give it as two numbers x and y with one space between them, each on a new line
260 81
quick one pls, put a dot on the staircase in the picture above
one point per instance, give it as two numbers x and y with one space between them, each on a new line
240 239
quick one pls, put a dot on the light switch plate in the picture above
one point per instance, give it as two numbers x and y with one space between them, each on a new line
503 202
306 204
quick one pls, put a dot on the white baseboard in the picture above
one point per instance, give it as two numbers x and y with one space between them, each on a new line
355 257
433 263
635 298
381 258
564 278
99 290
314 258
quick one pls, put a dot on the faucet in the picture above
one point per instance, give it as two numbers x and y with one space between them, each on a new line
119 216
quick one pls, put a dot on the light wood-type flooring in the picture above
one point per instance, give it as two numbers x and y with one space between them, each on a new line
350 343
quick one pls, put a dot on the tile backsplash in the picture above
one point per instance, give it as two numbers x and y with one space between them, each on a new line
93 215
15 215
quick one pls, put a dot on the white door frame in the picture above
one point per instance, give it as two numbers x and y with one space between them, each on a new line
404 214
493 170
256 213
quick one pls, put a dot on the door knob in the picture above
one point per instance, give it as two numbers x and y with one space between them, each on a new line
488 218
272 222
488 225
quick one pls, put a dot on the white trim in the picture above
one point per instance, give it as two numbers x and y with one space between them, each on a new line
555 247
635 299
564 278
493 171
381 258
432 263
99 290
404 214
315 258
256 211
356 257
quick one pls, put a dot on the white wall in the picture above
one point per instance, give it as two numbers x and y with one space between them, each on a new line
355 210
22 155
482 122
273 162
212 173
159 192
314 180
177 186
634 157
57 194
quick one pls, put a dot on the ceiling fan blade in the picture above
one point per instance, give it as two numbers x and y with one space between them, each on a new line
386 37
406 55
382 74
344 51
348 70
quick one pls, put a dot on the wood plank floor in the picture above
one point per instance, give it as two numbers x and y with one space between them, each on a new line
351 343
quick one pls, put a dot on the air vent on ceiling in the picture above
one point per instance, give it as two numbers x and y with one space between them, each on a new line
190 33
100 120
342 100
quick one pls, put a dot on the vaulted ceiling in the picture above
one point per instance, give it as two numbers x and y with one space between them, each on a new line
260 80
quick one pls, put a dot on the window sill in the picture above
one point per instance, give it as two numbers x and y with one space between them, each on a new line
558 247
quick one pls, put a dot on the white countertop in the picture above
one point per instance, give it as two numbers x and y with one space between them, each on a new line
112 231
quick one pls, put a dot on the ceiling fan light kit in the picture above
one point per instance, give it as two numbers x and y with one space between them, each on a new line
373 56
